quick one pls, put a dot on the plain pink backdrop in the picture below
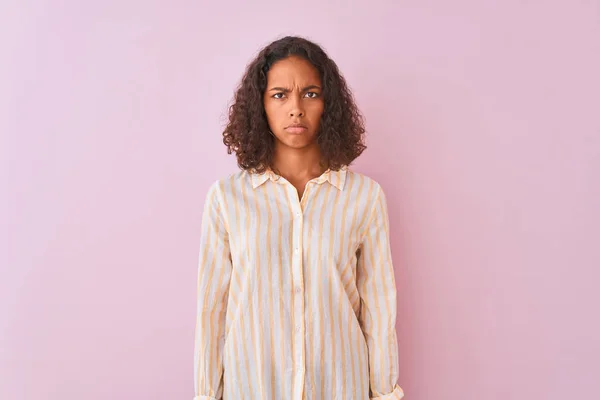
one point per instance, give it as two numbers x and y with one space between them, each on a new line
483 128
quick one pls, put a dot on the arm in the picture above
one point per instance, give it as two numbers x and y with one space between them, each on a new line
214 272
377 289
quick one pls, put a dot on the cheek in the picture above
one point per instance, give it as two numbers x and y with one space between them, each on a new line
316 110
272 111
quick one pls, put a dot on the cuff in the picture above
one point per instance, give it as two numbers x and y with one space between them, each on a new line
204 398
396 394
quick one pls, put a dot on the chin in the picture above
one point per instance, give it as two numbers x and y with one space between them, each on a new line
298 143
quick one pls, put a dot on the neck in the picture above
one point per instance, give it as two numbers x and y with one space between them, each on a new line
298 164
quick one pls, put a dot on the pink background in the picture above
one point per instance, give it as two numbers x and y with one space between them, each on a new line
484 130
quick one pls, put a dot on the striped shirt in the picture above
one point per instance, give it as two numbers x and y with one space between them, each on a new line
296 297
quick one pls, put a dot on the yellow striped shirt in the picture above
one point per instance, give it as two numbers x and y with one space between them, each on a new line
296 297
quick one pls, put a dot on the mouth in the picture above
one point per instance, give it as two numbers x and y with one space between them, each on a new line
296 129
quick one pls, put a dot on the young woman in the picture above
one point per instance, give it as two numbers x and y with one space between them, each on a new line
296 289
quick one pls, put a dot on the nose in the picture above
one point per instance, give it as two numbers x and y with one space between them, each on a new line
296 107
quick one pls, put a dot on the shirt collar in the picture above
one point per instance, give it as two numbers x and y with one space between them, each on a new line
336 178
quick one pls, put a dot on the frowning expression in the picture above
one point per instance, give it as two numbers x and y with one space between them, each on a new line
293 102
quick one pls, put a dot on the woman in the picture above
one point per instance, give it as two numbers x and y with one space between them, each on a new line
296 290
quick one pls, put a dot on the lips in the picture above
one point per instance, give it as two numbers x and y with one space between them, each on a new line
296 129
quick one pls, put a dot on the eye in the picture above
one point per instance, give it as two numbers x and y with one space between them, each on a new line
312 95
278 95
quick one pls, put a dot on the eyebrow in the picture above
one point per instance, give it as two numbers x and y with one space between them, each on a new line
280 89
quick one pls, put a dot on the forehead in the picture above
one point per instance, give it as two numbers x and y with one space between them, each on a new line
293 71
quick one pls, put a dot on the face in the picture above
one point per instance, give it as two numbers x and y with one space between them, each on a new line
293 102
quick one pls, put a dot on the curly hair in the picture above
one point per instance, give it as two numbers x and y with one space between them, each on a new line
341 129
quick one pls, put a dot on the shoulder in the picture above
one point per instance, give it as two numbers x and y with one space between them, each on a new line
226 181
367 185
227 185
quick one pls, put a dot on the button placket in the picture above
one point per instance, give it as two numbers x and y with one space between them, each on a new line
298 292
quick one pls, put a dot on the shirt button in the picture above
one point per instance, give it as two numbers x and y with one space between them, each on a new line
296 250
298 328
298 289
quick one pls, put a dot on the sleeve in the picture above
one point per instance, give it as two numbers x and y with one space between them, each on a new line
377 289
214 272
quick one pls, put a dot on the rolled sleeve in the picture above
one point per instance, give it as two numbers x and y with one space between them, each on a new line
377 289
214 273
397 394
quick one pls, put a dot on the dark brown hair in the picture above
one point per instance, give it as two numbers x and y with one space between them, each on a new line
341 130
